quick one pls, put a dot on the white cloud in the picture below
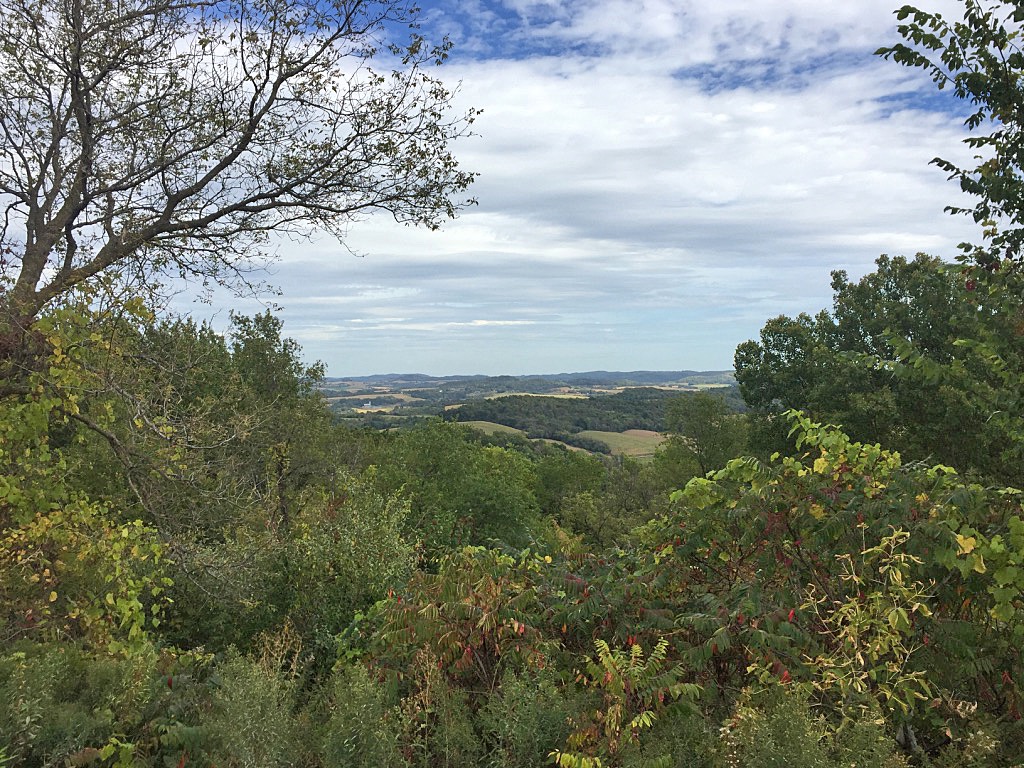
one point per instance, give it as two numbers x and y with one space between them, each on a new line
658 178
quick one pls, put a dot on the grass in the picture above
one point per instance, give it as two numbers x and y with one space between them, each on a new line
491 428
634 442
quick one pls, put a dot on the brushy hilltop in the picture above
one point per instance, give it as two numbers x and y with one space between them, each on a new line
202 565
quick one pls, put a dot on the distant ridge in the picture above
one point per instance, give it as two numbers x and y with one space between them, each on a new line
640 377
584 378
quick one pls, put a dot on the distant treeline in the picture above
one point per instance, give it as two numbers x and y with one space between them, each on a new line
559 417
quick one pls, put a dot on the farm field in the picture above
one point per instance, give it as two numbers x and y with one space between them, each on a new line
491 428
608 415
635 443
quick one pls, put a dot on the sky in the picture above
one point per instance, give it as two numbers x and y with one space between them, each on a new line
657 178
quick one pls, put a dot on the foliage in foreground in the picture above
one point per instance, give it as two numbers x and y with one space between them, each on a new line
429 601
198 568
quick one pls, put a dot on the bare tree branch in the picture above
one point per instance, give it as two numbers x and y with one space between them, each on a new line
177 134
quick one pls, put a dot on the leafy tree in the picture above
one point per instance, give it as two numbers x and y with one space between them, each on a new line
70 563
593 517
156 406
460 492
175 135
827 365
629 494
291 439
556 417
703 425
562 473
194 434
981 59
269 363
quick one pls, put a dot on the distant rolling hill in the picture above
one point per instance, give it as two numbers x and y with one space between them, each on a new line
536 383
621 412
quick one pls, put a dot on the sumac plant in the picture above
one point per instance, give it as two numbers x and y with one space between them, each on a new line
844 563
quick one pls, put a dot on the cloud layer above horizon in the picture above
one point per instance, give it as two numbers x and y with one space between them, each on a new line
657 179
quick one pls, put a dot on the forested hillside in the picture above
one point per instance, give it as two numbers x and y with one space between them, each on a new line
201 566
553 417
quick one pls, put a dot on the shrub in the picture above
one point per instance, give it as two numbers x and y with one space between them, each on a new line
251 722
526 718
359 729
776 729
58 701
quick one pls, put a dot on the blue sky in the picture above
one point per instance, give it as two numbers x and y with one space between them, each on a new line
657 179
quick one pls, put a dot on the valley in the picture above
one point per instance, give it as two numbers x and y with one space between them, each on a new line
602 412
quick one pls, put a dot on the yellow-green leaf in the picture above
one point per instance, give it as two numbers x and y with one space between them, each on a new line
966 544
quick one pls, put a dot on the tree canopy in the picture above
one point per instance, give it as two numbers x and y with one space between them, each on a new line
980 58
829 365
